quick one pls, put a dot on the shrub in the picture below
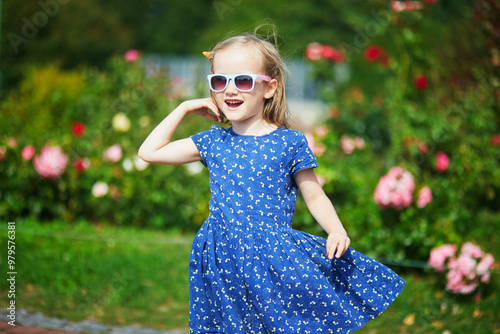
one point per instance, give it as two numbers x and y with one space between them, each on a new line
70 142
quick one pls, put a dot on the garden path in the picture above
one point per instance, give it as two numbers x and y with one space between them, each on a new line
37 323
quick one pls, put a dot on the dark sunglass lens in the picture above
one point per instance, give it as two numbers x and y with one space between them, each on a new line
218 82
243 82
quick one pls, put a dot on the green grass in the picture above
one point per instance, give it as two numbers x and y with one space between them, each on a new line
127 276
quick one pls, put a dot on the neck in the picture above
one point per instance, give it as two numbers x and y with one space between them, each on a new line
253 129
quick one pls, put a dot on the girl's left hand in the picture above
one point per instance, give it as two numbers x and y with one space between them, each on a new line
338 242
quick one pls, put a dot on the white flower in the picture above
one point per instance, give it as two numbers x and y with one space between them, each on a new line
194 168
120 122
128 165
139 163
100 189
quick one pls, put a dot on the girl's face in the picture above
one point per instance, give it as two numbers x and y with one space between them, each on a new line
243 107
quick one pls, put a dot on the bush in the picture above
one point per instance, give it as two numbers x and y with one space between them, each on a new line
410 108
97 119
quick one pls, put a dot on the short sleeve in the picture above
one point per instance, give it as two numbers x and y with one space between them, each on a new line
303 157
205 140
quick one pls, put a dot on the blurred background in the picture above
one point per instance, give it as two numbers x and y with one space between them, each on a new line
399 101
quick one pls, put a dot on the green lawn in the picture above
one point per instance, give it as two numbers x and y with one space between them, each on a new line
124 275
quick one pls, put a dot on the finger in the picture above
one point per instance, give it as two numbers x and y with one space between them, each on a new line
331 247
213 107
342 248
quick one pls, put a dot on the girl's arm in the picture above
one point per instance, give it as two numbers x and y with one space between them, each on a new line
323 211
157 148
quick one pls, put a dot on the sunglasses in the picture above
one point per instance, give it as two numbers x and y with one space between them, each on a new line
242 82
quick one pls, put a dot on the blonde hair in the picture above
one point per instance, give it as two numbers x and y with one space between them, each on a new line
275 108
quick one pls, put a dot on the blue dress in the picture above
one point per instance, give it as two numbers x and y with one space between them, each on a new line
249 271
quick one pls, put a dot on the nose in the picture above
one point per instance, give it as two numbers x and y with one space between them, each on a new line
231 88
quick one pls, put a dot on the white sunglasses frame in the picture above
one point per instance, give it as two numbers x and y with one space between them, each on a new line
233 76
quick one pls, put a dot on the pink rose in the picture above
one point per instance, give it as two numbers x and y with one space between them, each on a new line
485 264
360 143
330 53
440 254
313 51
395 189
472 250
28 152
442 161
424 197
466 265
131 55
347 144
113 153
485 278
51 163
321 131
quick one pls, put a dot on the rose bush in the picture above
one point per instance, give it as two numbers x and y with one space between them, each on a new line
464 271
76 156
438 126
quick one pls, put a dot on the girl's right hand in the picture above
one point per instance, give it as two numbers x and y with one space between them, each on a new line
201 107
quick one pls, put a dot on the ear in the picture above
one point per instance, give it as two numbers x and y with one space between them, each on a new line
271 89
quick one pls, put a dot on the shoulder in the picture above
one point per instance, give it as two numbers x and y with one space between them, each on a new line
215 131
293 136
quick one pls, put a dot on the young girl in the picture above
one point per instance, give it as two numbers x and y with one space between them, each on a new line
249 271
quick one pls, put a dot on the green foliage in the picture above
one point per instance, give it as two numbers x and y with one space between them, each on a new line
455 113
43 111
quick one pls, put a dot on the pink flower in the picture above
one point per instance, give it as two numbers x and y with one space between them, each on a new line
485 264
420 81
78 129
131 55
317 149
360 143
317 51
113 153
424 197
442 161
28 152
440 254
395 189
321 131
347 144
313 51
331 53
485 278
465 264
51 163
472 250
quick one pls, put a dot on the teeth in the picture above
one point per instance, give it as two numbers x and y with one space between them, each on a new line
234 102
